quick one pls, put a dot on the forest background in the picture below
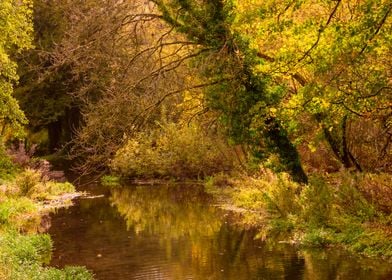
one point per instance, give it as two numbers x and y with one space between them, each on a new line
283 107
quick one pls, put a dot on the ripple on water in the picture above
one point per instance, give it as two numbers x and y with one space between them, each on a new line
173 232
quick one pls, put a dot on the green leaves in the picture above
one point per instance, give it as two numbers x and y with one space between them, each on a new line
231 57
15 35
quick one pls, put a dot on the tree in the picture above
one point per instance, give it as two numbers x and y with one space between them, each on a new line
15 36
98 75
334 60
227 60
81 55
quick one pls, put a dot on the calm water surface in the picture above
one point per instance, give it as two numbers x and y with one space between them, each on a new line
174 232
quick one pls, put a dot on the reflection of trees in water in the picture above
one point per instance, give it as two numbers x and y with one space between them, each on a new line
337 264
198 242
174 231
194 235
168 210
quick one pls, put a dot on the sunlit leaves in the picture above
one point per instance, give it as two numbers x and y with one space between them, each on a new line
340 50
15 35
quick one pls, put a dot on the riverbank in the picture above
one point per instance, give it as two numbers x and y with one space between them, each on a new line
345 210
27 197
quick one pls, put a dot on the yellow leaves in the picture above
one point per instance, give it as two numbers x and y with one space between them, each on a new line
312 147
15 35
338 52
273 110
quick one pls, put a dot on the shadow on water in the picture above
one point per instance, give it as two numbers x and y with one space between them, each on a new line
173 232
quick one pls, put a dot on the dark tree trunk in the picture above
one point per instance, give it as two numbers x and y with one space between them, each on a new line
289 156
54 135
340 146
71 123
345 152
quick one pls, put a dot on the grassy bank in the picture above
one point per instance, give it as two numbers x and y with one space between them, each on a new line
345 209
25 196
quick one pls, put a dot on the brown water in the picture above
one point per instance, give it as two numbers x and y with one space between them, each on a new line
174 232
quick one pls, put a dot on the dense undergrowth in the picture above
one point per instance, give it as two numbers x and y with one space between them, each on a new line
172 151
24 253
344 209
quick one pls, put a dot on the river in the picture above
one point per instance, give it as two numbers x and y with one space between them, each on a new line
174 231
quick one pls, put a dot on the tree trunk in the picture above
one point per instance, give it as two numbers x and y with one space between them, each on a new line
54 135
289 156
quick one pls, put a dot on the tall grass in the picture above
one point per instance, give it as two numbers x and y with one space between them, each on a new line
325 212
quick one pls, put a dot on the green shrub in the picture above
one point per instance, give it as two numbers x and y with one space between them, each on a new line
316 202
377 189
31 184
172 151
22 257
27 180
330 210
7 168
26 249
249 198
350 200
275 193
281 195
317 237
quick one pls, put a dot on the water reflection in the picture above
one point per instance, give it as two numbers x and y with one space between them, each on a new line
172 232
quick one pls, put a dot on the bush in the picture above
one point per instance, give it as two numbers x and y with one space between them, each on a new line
330 210
26 249
172 151
272 195
281 195
317 237
28 180
350 191
22 257
377 189
316 202
7 168
30 183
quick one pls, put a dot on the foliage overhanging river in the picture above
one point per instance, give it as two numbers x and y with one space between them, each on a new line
175 232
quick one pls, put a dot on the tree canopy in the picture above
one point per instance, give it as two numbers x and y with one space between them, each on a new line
276 76
15 35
